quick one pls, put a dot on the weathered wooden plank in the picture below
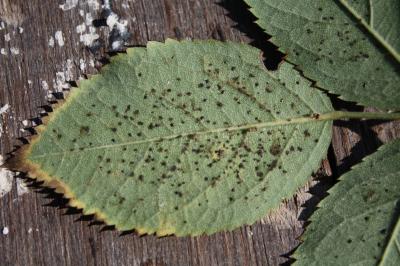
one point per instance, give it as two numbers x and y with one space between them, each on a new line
41 235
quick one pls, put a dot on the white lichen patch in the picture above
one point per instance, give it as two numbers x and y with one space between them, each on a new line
86 30
5 230
81 28
93 4
45 86
91 62
14 50
7 37
88 38
89 34
51 41
25 124
117 26
60 82
249 233
4 109
114 21
89 19
106 4
3 51
20 30
59 38
6 179
69 4
68 70
116 44
22 187
82 64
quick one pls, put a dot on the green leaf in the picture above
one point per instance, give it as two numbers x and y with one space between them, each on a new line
358 223
183 138
351 48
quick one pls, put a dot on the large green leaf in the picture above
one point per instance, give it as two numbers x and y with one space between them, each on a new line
358 223
351 48
183 138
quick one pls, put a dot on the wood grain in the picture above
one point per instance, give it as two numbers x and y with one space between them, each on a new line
45 235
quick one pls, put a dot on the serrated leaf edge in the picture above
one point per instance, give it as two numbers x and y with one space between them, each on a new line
20 162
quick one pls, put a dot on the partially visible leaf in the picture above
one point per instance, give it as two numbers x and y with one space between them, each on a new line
351 48
183 138
391 255
358 223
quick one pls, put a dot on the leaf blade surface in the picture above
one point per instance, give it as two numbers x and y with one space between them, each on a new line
184 138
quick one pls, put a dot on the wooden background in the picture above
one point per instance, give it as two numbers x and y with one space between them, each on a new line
43 231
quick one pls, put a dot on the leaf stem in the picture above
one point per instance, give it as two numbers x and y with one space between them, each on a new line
337 115
392 241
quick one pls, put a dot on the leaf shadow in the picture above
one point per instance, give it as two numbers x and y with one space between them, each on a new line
368 144
239 12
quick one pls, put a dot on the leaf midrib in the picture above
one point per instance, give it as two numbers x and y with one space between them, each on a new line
375 34
280 122
329 116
